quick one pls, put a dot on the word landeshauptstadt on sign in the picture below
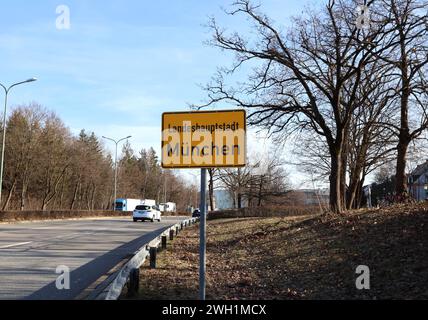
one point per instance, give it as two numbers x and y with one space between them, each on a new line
204 139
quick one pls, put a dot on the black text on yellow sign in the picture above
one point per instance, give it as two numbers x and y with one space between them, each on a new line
204 139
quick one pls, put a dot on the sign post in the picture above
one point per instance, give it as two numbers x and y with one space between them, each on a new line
204 139
202 235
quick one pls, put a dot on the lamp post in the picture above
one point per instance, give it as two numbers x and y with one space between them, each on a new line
115 164
6 91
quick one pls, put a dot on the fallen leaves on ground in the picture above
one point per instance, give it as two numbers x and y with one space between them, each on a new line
299 258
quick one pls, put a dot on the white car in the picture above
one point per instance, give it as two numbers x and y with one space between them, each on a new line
145 212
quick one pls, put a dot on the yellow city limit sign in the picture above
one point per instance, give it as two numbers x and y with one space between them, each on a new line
204 139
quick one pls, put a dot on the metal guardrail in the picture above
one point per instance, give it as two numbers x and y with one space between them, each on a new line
130 271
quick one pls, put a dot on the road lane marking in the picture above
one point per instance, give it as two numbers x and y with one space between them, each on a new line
16 245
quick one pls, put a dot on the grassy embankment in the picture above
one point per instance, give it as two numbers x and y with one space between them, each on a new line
299 258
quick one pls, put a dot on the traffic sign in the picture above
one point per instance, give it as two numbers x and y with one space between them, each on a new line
204 139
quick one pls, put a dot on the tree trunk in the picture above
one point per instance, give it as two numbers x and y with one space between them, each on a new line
61 197
234 199
359 193
88 193
73 201
25 181
9 195
404 136
401 179
158 196
211 188
354 185
343 167
23 195
111 202
93 198
259 204
335 182
239 200
355 194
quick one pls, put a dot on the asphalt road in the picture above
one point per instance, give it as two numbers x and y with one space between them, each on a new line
31 252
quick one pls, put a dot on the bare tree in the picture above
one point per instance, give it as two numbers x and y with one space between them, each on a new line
268 182
263 181
236 180
407 28
55 159
24 132
300 79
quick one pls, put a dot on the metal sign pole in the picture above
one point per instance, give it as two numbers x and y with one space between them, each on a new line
202 234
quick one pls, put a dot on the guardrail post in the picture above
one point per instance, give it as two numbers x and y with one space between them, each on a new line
171 234
134 282
164 242
176 231
153 253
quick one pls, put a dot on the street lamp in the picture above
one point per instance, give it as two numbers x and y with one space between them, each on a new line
6 91
115 164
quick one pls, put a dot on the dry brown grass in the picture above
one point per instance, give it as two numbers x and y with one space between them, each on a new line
299 258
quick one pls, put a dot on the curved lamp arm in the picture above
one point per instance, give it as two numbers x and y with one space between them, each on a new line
17 84
116 142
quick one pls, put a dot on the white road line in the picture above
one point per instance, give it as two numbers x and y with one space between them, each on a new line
16 245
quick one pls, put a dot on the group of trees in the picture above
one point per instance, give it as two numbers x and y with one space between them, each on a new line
356 97
142 177
47 168
263 181
349 86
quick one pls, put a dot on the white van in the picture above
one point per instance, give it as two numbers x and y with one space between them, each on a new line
168 207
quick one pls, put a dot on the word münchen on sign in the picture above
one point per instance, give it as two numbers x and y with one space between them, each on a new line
204 139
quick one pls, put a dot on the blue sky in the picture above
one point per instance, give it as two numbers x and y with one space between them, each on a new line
121 64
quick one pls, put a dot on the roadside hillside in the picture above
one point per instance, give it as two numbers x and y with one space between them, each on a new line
300 258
